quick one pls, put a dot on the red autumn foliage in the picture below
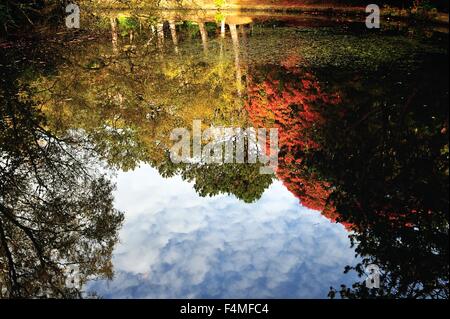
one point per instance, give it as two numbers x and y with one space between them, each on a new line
293 107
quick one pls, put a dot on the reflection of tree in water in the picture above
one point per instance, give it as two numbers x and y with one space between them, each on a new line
391 173
384 168
56 208
365 157
291 99
243 181
129 114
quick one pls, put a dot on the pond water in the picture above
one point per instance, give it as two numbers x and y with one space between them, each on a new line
87 185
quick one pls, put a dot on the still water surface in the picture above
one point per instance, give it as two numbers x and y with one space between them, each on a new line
176 244
362 176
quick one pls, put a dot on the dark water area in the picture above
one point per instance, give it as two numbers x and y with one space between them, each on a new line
87 184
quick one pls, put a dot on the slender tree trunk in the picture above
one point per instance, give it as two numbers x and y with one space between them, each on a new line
173 32
237 64
204 35
114 35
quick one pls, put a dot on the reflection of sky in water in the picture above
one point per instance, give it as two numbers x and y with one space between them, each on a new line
175 244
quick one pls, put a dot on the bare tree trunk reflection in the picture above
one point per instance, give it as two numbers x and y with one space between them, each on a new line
222 28
114 35
151 37
160 35
235 40
204 35
173 32
244 49
243 32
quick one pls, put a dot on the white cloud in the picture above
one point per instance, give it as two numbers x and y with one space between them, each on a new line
176 244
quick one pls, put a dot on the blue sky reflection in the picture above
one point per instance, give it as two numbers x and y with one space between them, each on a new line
176 244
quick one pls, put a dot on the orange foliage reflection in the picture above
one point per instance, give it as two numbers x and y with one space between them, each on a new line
291 100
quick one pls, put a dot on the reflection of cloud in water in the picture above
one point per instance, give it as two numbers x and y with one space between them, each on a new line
177 244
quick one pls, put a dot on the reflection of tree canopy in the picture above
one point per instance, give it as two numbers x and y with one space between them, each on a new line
291 99
244 181
371 153
56 208
381 161
130 112
388 166
389 161
129 103
128 100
